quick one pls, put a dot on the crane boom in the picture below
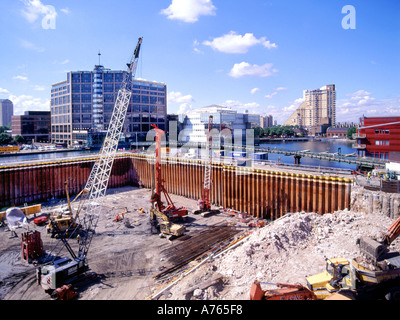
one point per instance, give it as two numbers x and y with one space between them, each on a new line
101 171
52 276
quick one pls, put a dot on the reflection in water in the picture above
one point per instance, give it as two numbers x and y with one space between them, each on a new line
325 145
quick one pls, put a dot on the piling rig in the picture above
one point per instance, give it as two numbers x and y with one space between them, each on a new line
204 203
168 212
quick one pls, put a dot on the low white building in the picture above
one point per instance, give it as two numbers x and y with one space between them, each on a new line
194 124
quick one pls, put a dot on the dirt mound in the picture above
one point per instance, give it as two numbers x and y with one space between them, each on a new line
288 250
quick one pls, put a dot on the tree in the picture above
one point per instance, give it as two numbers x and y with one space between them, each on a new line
19 139
5 139
3 129
350 131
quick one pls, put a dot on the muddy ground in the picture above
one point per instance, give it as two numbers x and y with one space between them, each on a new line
126 260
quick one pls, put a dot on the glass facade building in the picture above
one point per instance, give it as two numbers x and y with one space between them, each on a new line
83 104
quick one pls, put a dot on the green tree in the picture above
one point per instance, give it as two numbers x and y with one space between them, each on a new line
3 129
19 139
5 139
350 131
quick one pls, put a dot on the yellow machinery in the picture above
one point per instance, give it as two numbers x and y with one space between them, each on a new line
64 221
167 228
355 281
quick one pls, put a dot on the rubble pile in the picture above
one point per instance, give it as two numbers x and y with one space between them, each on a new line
290 249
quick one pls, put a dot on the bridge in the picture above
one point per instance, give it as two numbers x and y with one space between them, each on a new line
363 163
366 163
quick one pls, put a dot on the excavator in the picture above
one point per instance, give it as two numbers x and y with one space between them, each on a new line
65 221
285 292
167 213
351 278
377 250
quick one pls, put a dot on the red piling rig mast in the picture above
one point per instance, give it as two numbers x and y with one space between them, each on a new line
170 210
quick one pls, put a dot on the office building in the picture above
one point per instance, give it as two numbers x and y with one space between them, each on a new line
6 112
317 112
82 105
33 126
378 138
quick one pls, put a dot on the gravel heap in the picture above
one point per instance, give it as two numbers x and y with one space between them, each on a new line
290 249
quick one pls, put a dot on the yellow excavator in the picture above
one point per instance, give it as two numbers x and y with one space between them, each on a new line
64 221
167 228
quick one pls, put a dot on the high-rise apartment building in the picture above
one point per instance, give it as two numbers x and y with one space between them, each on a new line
6 112
83 105
317 112
266 121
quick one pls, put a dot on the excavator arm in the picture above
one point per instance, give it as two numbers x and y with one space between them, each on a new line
376 249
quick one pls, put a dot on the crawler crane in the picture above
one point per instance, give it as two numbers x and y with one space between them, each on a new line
63 271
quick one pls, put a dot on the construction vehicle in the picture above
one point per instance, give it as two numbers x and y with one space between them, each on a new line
66 292
167 228
377 250
63 271
204 204
31 245
353 280
170 210
167 213
64 220
286 292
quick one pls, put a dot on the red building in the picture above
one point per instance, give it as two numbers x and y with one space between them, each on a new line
379 138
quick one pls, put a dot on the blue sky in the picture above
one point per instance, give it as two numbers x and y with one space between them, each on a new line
251 55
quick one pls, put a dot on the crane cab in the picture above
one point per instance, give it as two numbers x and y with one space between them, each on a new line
60 272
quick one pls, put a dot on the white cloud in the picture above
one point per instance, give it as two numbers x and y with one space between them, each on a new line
254 90
22 78
185 108
236 43
31 46
361 102
245 69
4 91
178 97
35 8
275 92
189 10
235 104
269 96
66 11
184 101
196 47
39 88
24 103
65 61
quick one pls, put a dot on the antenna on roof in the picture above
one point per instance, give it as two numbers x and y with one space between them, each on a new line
99 54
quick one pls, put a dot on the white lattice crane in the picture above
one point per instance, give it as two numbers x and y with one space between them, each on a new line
90 207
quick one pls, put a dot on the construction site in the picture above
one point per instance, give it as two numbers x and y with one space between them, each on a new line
134 226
